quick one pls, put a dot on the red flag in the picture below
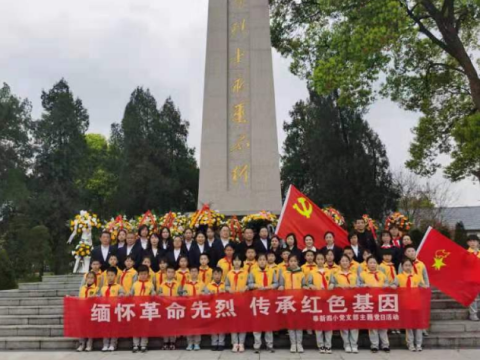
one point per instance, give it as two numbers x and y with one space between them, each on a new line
451 268
301 217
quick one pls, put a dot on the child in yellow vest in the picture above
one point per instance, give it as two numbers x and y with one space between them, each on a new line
283 266
473 248
309 265
250 261
113 262
366 253
161 274
170 288
348 250
193 287
374 278
151 274
204 271
142 287
319 279
408 279
419 267
226 263
346 278
263 278
217 286
111 289
237 282
330 265
182 275
87 291
272 261
96 269
293 279
129 275
387 266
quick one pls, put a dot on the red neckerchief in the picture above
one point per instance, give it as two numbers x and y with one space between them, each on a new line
392 269
409 281
170 287
265 277
123 276
415 266
142 289
250 266
107 293
324 280
193 287
347 277
229 262
86 290
160 277
311 267
184 277
375 274
217 286
235 278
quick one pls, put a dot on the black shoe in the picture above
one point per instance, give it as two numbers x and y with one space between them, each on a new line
386 349
143 349
221 348
374 350
135 349
272 350
214 348
256 351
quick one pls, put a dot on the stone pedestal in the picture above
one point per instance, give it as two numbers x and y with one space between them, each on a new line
239 166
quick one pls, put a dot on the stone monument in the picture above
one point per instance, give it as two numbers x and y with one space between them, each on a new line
239 165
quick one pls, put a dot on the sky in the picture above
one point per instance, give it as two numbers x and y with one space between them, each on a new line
106 48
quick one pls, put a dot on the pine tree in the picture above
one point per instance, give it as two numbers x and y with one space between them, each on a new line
61 148
334 157
460 236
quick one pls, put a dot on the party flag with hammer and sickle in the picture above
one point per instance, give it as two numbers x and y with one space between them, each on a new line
301 217
451 268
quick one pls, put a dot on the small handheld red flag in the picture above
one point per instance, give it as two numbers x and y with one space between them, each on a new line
301 217
451 268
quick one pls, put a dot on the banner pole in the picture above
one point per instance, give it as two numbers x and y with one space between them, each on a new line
423 240
283 210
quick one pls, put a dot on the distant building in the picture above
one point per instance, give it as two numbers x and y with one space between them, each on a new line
468 215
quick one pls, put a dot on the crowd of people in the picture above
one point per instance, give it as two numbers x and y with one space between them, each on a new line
202 263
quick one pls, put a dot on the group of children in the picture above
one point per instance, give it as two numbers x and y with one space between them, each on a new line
238 273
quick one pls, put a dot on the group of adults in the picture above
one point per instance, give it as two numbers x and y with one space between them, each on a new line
162 245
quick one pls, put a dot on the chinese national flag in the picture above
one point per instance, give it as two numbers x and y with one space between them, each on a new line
451 268
301 217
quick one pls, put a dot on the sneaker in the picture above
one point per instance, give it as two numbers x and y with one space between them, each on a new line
221 348
271 349
386 349
189 347
293 348
165 347
196 347
235 348
300 348
81 347
348 349
135 349
374 350
143 349
354 349
328 350
419 348
412 348
88 348
111 348
241 348
172 347
425 333
321 349
256 351
105 348
474 318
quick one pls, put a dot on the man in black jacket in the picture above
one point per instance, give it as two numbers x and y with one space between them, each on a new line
132 248
247 242
365 238
103 252
218 250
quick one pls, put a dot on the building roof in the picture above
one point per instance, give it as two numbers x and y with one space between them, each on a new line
469 215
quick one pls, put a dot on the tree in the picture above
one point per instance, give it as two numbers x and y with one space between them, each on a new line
425 51
423 202
333 156
158 169
7 276
60 150
460 236
15 148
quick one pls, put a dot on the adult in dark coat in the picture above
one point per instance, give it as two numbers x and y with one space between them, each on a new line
292 246
121 240
154 252
166 241
188 240
218 250
356 248
330 240
248 242
131 248
199 247
103 252
173 255
262 244
365 238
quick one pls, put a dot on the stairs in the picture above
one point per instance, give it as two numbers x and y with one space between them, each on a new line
31 318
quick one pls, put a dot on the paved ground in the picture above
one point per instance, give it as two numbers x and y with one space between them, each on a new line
249 355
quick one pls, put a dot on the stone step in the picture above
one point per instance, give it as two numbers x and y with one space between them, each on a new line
446 304
443 340
31 330
451 314
61 278
31 310
37 293
31 320
33 301
438 327
51 286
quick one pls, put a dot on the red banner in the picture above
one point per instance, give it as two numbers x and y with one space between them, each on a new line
301 217
451 268
337 309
